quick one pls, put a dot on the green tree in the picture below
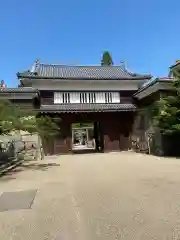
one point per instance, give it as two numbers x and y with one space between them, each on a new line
106 59
16 118
166 111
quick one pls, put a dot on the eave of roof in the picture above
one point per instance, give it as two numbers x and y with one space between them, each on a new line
175 65
165 79
19 90
124 78
88 107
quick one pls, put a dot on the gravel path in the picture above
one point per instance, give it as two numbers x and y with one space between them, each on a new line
92 196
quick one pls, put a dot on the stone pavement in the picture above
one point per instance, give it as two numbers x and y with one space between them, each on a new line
92 196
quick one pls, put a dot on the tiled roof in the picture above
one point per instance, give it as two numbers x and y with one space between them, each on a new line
175 64
80 72
168 81
152 82
88 107
18 90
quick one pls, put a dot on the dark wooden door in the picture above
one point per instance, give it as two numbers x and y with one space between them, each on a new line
60 146
111 136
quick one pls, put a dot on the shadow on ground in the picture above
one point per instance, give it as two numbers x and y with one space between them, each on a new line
38 166
11 174
86 151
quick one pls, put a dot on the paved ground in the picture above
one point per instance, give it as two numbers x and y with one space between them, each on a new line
91 197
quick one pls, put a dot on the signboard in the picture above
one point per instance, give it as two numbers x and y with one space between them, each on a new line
82 125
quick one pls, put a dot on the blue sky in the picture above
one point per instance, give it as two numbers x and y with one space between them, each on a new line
143 33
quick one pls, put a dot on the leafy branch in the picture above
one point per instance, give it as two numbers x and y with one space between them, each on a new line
16 118
166 111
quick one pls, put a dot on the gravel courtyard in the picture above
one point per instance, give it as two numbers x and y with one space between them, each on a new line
92 196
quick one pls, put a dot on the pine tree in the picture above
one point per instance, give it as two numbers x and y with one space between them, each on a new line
106 59
166 111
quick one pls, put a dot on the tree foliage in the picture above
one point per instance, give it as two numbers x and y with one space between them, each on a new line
14 118
166 111
106 59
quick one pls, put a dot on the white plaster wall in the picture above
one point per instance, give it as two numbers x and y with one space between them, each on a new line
85 85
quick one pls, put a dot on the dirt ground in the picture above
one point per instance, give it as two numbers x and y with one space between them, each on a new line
92 196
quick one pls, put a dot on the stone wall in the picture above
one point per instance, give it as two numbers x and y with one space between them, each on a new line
145 137
24 143
141 132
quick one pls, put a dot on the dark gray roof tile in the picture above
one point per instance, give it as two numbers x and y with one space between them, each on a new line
80 72
152 82
88 107
19 89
